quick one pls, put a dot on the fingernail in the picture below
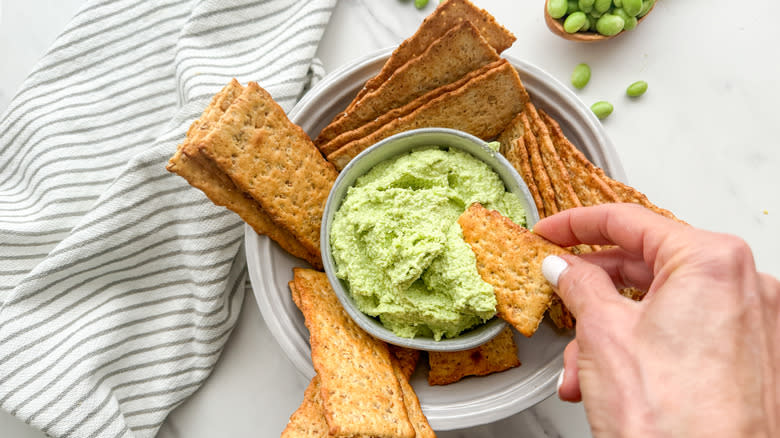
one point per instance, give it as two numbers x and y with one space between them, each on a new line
560 380
552 268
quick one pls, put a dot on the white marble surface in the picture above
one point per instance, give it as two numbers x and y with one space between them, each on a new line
701 143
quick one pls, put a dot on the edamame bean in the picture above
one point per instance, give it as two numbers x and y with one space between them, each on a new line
573 6
603 5
588 23
617 3
630 21
637 89
596 14
646 6
632 7
419 4
609 24
574 22
602 109
557 8
580 76
585 5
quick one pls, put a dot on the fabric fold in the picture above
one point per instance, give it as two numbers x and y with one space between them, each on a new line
120 283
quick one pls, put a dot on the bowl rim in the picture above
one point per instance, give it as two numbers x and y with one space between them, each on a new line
409 141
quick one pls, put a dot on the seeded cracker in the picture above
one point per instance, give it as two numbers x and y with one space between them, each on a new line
309 420
361 394
446 60
541 178
509 257
481 107
201 173
422 428
514 150
498 354
407 359
272 160
368 128
565 197
446 16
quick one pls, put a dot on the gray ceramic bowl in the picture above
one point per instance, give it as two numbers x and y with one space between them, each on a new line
389 148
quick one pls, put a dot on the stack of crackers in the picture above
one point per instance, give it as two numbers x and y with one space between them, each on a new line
245 154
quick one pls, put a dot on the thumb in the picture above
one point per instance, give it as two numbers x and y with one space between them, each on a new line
585 288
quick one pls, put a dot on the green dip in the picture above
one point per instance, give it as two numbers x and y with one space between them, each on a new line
396 241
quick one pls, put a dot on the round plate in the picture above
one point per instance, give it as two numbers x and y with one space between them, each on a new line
473 400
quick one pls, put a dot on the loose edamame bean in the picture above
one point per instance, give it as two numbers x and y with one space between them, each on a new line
602 109
630 21
419 4
580 76
573 6
603 5
632 7
609 24
574 22
557 8
646 6
637 89
585 5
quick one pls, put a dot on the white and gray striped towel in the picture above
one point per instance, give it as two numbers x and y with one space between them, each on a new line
119 284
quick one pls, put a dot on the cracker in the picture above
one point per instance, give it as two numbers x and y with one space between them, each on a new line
272 160
587 180
565 197
509 257
368 128
481 107
201 173
446 16
514 150
422 429
541 178
407 358
594 178
308 421
498 354
361 394
461 50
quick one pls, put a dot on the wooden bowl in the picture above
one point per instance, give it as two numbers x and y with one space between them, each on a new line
556 27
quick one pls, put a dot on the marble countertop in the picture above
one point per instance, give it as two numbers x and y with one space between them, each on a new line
700 143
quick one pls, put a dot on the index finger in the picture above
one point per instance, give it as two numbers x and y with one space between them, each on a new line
630 226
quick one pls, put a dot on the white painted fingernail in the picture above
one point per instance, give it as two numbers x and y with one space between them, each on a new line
552 268
560 380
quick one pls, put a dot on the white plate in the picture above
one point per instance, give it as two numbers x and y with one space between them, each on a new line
474 400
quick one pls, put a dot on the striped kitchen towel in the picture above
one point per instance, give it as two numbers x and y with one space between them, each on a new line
119 284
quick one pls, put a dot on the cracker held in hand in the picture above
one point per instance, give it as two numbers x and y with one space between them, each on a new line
449 58
360 391
498 354
200 172
509 257
273 161
446 16
481 107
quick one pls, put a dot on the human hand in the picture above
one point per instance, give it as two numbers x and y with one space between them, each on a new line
699 356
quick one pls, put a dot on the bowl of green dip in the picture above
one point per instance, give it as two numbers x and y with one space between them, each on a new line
392 247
